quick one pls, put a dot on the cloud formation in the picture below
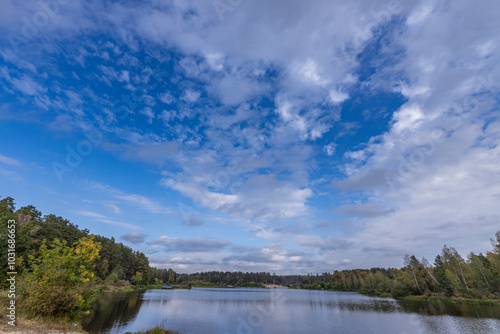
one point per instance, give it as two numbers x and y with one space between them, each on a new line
134 237
191 245
319 134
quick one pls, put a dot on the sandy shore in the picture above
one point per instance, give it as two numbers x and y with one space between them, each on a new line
275 286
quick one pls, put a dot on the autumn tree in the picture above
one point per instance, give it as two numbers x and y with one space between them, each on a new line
61 281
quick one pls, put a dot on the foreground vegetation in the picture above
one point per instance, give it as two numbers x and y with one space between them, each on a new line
160 329
61 269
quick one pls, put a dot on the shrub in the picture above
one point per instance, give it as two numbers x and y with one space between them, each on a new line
122 282
61 283
400 289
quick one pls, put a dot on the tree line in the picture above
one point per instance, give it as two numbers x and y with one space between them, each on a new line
451 275
115 261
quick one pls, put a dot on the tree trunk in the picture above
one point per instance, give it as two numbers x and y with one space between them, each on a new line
463 276
424 264
482 274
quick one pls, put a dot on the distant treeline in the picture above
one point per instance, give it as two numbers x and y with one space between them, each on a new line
451 275
477 276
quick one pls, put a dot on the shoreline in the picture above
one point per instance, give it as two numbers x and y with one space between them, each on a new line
450 300
453 300
275 286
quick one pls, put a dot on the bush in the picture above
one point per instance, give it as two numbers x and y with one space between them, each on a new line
112 278
400 290
61 283
121 282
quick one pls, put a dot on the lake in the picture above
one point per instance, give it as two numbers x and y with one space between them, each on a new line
252 310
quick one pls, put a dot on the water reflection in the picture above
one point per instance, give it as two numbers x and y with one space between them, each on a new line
284 311
461 310
113 308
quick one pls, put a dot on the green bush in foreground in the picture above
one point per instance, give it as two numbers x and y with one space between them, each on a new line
61 281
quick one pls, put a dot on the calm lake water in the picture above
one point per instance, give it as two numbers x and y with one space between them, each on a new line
250 310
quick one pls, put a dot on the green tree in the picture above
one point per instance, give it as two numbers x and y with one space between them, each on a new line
440 273
482 274
142 266
7 207
456 269
61 281
496 243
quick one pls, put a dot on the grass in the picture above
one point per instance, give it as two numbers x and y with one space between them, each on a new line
42 325
24 323
160 329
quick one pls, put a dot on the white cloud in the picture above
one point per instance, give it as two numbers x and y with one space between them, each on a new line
103 219
10 161
235 89
191 96
322 243
148 112
166 98
116 210
125 76
215 61
28 86
364 210
133 199
262 197
419 15
337 97
330 149
408 118
309 72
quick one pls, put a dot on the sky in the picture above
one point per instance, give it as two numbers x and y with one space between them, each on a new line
283 136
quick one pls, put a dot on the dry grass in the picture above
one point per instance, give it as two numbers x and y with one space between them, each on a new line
37 325
32 325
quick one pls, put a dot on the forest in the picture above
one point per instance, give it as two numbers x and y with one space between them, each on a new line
61 268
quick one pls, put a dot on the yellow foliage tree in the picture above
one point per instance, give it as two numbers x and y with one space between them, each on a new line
61 281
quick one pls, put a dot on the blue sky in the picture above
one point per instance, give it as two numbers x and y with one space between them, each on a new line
282 136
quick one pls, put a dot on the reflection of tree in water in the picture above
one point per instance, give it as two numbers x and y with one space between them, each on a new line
385 306
111 308
440 308
418 307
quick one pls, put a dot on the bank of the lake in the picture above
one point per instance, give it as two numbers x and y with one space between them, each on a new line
423 298
490 302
